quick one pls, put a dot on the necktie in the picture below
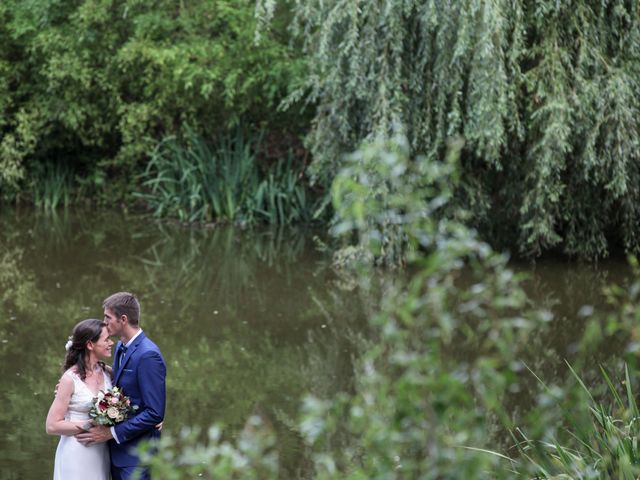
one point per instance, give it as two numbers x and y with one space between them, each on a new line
121 353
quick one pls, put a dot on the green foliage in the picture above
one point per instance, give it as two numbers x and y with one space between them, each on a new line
603 438
545 95
283 198
420 410
430 395
97 82
52 186
432 390
393 202
193 181
251 458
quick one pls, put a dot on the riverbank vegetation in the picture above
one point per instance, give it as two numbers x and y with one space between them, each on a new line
544 95
198 182
90 88
453 352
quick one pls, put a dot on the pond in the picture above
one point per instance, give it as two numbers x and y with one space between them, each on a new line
249 320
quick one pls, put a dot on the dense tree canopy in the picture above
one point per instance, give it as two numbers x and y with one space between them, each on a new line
91 83
545 94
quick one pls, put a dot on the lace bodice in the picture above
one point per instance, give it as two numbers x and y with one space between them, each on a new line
82 397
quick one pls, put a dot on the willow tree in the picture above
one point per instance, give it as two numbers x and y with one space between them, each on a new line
544 93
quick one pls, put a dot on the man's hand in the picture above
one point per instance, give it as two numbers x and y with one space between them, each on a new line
94 435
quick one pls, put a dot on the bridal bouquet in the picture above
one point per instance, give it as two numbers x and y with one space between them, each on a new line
110 407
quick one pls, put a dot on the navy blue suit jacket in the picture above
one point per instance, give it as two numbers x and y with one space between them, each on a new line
142 377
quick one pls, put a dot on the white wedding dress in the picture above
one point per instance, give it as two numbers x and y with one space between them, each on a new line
75 461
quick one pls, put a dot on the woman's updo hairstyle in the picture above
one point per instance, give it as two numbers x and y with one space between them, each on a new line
84 332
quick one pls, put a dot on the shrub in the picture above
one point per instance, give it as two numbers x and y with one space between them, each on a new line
98 82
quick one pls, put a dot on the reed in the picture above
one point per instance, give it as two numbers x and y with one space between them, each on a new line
230 191
281 197
601 438
174 178
196 182
52 186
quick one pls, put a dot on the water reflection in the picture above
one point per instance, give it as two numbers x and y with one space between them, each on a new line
248 321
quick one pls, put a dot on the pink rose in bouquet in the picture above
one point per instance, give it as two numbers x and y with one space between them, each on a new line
111 407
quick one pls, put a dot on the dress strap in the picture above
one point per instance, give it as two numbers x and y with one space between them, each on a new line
107 380
74 377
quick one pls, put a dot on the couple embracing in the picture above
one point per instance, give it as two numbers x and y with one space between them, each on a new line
97 452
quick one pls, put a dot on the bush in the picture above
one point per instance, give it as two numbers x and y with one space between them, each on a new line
94 84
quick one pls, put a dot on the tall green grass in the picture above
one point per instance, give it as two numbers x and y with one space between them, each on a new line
602 438
52 186
195 181
281 197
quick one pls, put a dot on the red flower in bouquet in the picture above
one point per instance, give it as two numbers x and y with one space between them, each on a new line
110 407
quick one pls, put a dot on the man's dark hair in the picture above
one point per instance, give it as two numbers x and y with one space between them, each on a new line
124 303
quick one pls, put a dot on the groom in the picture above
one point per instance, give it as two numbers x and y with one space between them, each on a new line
139 370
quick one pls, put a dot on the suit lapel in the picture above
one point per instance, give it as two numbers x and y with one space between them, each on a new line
127 356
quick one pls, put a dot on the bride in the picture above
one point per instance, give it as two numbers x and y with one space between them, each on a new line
84 375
